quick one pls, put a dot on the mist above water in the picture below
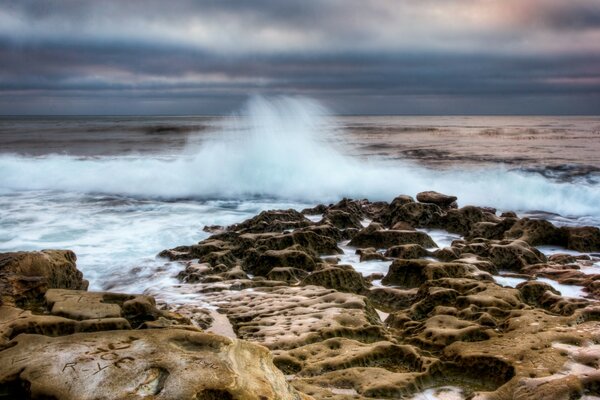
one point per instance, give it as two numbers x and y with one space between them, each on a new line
281 148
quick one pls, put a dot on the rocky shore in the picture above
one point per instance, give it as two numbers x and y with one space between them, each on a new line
309 325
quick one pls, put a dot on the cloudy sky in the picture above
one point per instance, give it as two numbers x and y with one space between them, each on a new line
357 56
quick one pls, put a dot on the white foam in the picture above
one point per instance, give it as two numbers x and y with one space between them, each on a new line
565 290
441 237
593 269
278 150
366 268
441 393
508 280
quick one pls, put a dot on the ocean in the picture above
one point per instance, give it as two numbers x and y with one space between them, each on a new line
118 190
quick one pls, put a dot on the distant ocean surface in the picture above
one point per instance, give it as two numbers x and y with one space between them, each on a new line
117 190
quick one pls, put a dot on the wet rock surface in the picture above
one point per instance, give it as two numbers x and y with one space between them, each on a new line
404 317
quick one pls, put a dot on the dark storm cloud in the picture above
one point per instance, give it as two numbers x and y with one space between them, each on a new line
360 56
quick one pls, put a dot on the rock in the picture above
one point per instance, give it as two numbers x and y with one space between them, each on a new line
533 291
308 241
340 353
439 199
464 219
514 256
407 251
342 279
374 237
287 274
386 214
316 210
419 215
370 254
389 299
406 273
490 230
24 276
284 317
342 219
280 258
441 330
272 221
536 232
584 239
162 364
352 207
413 273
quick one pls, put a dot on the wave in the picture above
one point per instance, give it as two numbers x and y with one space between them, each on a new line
279 148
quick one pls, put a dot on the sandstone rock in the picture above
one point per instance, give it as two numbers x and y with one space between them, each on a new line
407 251
344 280
413 273
584 239
420 215
442 200
283 317
373 237
48 268
463 220
272 221
370 254
280 258
342 219
162 364
490 230
287 274
536 232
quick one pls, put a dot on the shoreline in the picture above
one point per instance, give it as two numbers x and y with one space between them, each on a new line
430 321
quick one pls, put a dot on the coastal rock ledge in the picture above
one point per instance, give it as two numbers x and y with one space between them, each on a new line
355 302
72 344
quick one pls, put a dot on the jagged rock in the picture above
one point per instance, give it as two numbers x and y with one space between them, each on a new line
287 274
24 276
353 207
280 258
463 220
162 364
316 210
372 236
342 279
389 299
490 230
306 240
420 215
585 239
370 254
272 221
533 291
413 273
342 219
407 251
536 232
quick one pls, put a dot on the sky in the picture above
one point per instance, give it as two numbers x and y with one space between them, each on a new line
356 56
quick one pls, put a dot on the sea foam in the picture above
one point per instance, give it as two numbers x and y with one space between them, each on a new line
281 148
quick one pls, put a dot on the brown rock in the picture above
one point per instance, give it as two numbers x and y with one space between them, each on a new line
436 198
48 268
377 238
162 364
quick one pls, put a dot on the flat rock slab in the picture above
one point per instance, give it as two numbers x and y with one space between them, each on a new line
158 364
286 317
